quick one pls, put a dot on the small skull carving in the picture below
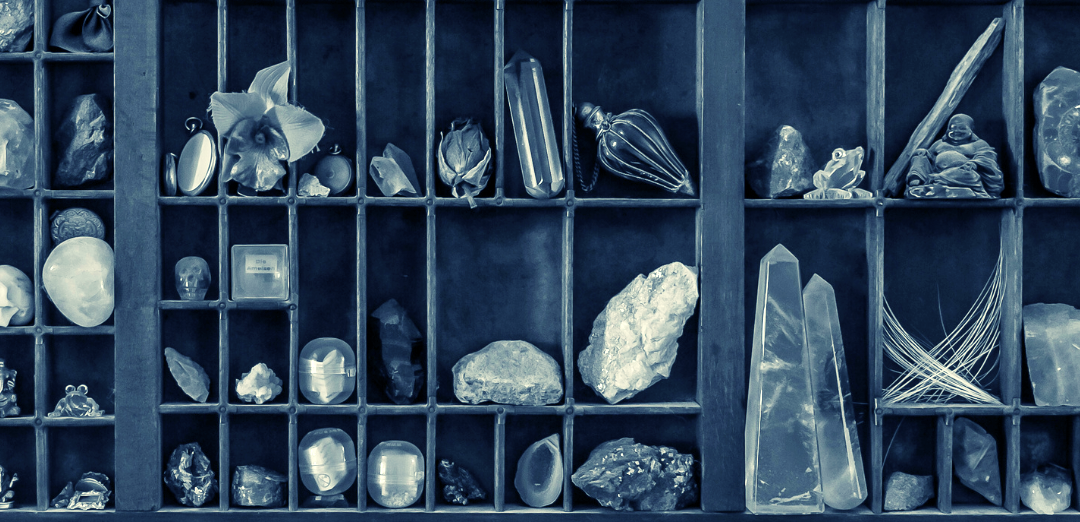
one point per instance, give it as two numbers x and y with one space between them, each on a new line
192 278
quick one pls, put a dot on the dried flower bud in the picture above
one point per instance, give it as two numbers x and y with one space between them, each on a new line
465 159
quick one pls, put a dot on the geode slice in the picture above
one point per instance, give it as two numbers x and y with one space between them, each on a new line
16 25
785 169
189 476
628 476
1057 132
191 377
905 492
508 372
400 371
17 155
634 339
85 142
539 476
459 486
256 486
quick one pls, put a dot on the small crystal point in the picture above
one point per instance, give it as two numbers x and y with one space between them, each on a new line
975 459
839 454
1051 335
534 132
539 477
782 469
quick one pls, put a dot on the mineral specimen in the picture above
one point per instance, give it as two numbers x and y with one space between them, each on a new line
7 481
78 277
8 406
628 476
1051 335
539 477
75 222
393 172
785 169
401 372
192 276
16 25
256 486
76 404
17 155
782 470
310 187
189 375
459 486
16 297
839 454
259 385
508 372
634 340
334 171
905 492
85 142
534 131
395 473
975 459
1057 129
90 492
189 476
1047 490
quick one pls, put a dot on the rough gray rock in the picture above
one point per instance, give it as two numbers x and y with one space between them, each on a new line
508 372
85 142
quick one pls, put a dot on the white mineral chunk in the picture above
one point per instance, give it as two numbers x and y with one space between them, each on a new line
1051 340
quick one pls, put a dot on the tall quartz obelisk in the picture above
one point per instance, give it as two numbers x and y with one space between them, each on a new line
782 472
842 472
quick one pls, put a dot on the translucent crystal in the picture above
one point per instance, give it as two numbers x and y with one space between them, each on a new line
395 474
311 188
192 275
1047 490
256 486
78 276
189 477
534 130
1051 335
393 172
17 159
839 455
975 459
782 472
539 477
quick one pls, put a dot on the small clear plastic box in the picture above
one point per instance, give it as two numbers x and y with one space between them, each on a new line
327 371
260 272
395 474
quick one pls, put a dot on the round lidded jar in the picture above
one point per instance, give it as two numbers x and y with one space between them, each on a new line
327 461
327 371
395 474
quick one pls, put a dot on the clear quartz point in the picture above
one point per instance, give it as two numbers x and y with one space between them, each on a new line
840 458
534 130
782 471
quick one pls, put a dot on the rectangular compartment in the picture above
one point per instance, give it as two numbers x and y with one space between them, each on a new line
260 440
327 272
909 447
81 359
469 442
188 77
74 451
523 431
505 286
308 423
1048 440
184 429
194 334
17 457
189 231
68 81
383 428
259 336
17 352
611 248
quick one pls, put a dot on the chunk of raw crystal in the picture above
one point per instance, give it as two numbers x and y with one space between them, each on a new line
1047 490
401 373
17 155
90 492
1051 337
782 470
975 459
634 340
628 476
16 297
508 372
905 492
256 486
78 277
16 25
259 385
311 188
85 142
393 172
785 169
459 486
539 477
534 131
840 457
189 476
1057 128
189 375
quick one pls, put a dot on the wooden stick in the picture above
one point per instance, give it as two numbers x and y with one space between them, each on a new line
958 84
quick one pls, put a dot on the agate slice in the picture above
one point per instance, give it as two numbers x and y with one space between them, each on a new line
78 277
16 297
539 477
195 168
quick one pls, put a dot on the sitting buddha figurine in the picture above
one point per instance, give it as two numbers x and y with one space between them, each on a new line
959 165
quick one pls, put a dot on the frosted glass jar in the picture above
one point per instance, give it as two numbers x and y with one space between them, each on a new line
260 272
327 461
395 474
327 371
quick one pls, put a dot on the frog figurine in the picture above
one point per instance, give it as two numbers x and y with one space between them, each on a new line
7 480
76 404
840 177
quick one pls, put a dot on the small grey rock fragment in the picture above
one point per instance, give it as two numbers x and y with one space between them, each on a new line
785 169
905 492
508 372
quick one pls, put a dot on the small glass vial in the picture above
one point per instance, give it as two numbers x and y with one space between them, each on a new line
327 464
260 272
395 474
327 371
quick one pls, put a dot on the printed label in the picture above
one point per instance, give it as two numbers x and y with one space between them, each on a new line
260 264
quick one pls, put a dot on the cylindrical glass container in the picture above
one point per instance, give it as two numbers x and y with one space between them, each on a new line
327 461
395 474
327 371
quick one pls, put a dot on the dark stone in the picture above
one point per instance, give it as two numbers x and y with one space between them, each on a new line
1057 131
85 142
401 373
256 486
905 492
16 25
785 169
459 486
189 476
627 476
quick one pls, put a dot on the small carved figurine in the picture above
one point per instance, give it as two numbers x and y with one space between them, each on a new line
7 496
7 394
76 404
840 177
959 165
192 278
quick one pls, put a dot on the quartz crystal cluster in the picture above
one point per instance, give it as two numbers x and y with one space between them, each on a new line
1051 337
627 476
259 385
1047 490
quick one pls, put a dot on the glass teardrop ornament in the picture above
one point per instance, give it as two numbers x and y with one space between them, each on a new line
197 161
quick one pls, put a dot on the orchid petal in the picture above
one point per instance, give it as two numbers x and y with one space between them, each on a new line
302 129
272 83
228 108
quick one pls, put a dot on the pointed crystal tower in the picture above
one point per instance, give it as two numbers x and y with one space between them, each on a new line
782 473
534 131
842 474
